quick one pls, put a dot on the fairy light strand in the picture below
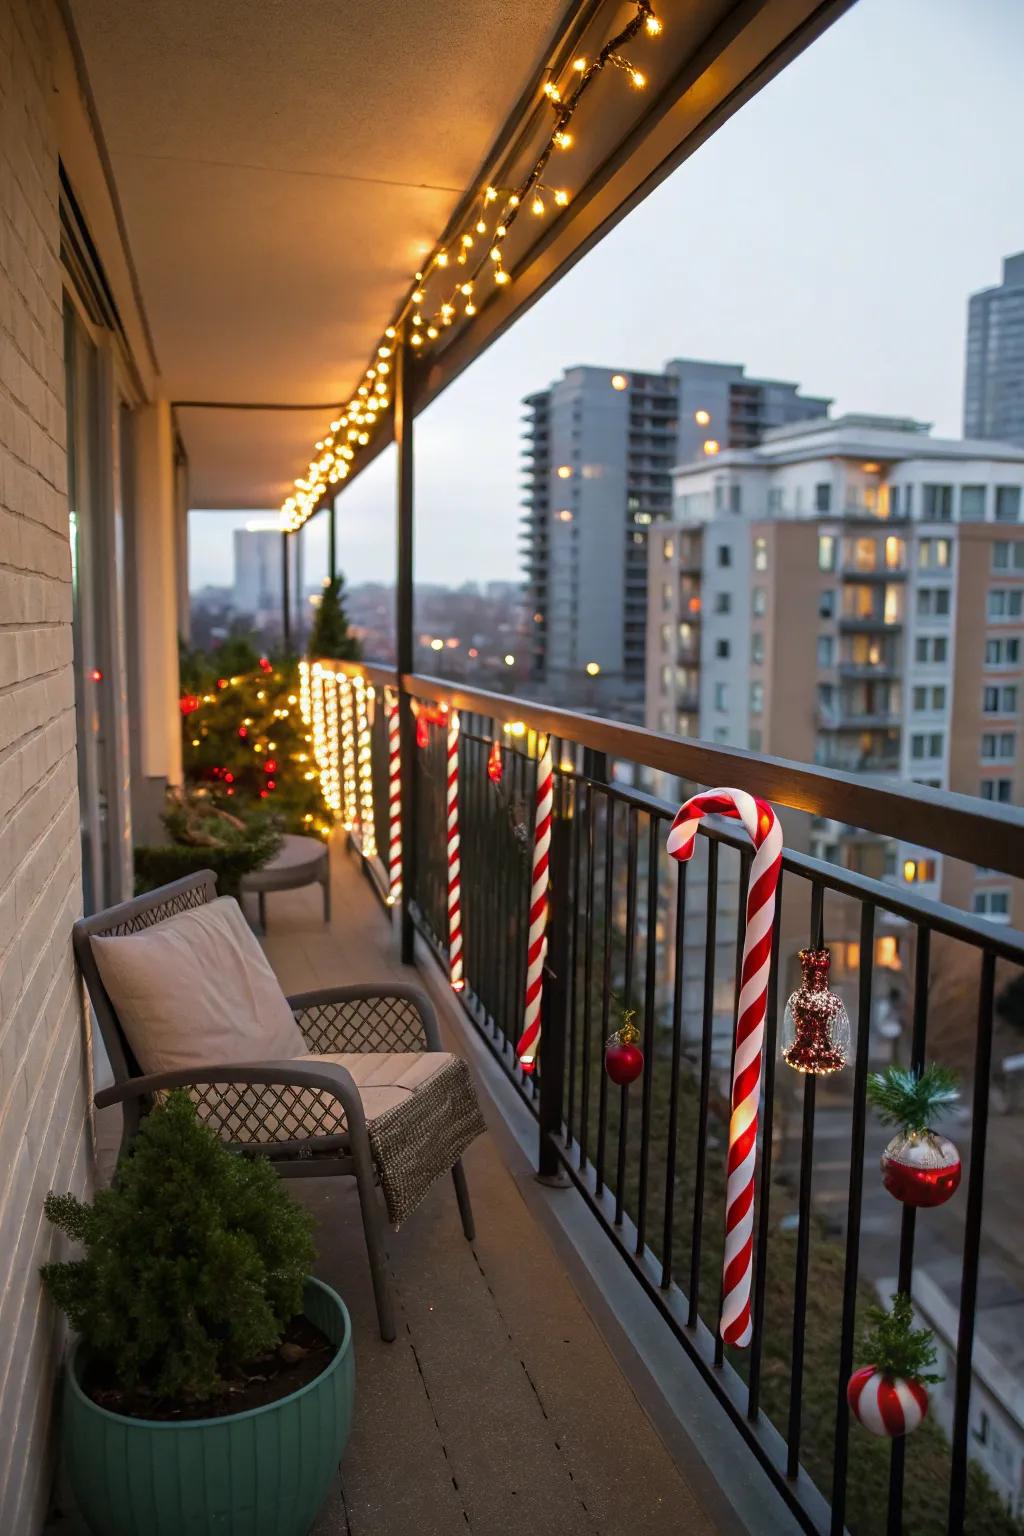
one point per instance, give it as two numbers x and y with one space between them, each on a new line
475 258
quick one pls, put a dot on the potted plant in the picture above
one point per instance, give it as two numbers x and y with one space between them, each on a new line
211 1386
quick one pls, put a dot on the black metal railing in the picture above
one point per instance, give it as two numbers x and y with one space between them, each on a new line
631 928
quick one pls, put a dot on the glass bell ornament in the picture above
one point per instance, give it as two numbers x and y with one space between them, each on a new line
816 1026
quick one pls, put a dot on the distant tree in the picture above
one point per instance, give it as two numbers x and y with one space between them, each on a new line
330 635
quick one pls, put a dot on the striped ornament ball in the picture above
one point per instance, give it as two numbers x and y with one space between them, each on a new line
886 1405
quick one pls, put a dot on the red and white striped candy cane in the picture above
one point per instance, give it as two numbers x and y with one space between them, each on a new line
454 860
765 832
537 942
394 800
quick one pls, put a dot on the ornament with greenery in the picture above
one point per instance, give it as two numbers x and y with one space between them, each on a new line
330 637
895 1347
194 1262
919 1167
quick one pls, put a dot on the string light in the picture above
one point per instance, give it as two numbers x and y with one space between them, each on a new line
367 836
491 221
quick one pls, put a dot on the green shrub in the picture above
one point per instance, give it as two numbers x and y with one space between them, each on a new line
204 836
194 1261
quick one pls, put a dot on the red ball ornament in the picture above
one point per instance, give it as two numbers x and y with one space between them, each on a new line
886 1405
921 1168
623 1058
494 764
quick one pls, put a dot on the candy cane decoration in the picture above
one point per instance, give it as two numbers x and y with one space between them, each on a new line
765 833
394 801
537 942
454 861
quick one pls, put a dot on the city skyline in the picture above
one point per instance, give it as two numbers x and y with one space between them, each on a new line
842 260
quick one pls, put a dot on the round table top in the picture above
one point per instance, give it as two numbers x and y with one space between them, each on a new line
298 860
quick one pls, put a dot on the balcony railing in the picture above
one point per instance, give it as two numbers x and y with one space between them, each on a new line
630 927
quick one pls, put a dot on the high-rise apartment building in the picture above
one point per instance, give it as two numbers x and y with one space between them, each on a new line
258 574
994 375
601 446
851 593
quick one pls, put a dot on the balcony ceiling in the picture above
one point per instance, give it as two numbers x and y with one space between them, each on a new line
281 168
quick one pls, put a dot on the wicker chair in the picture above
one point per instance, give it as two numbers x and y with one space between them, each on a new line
308 1117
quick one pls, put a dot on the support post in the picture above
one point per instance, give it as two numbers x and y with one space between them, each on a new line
404 411
332 538
286 600
555 998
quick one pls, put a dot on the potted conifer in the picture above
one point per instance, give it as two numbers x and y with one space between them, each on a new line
211 1386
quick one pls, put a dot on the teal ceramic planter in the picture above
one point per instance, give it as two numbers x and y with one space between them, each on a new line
265 1472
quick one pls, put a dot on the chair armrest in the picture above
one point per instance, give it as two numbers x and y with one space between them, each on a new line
372 1017
263 1102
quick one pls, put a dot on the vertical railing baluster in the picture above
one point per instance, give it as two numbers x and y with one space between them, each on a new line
706 1041
588 977
632 831
972 1246
803 1236
606 990
650 1027
672 1137
897 1455
766 1133
851 1264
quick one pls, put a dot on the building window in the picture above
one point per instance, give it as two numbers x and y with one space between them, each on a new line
724 556
1008 555
723 602
826 552
998 745
756 698
995 905
757 647
937 506
895 552
931 650
756 738
933 602
826 650
774 500
721 697
1002 653
972 503
934 554
760 554
999 701
918 871
823 496
927 744
735 499
759 602
668 549
1007 503
722 649
997 789
1005 603
929 699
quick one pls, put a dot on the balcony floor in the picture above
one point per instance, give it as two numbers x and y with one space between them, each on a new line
499 1408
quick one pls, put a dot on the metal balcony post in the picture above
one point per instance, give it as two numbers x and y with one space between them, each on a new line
555 998
286 604
404 411
332 538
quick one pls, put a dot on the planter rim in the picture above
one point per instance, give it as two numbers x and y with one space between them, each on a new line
343 1349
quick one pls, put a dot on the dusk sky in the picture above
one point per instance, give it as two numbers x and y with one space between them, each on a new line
829 234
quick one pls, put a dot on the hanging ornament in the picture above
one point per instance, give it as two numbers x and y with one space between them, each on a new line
422 731
816 1026
762 827
495 767
889 1397
919 1167
623 1058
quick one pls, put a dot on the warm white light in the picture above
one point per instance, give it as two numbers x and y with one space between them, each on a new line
712 446
501 276
510 660
579 65
593 668
702 418
564 515
561 198
619 381
437 645
638 78
563 140
564 472
537 206
653 25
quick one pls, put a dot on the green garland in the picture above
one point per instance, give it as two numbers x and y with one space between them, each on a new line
913 1099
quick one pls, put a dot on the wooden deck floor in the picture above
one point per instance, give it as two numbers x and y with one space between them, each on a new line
498 1409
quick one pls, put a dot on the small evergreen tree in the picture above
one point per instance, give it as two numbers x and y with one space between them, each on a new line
194 1261
330 636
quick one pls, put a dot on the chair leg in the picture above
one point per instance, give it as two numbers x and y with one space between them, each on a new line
372 1231
462 1196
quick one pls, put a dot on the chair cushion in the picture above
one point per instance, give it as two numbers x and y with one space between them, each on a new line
197 990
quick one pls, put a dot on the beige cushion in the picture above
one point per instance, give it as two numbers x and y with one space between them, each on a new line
389 1079
197 990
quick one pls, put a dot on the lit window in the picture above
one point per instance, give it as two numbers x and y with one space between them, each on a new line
760 554
826 552
619 381
918 871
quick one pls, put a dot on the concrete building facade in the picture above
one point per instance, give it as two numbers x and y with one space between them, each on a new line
600 448
994 373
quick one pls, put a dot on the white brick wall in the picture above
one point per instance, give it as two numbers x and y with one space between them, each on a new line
43 1121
